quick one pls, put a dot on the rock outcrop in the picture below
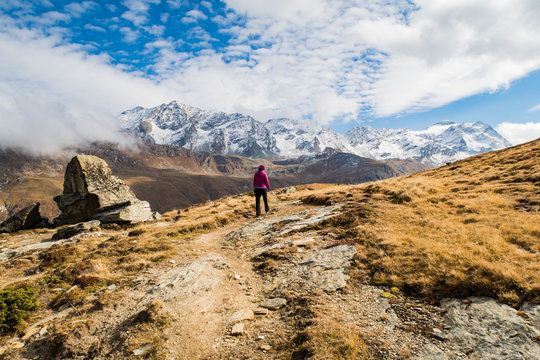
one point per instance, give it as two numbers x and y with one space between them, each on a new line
327 269
92 192
27 218
481 328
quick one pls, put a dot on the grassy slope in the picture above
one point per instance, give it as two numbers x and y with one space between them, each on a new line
468 228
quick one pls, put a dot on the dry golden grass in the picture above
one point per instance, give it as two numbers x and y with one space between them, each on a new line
328 339
468 228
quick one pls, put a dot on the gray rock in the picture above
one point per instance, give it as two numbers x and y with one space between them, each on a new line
129 211
274 303
326 269
27 218
91 189
69 231
485 329
533 312
289 190
430 352
142 350
439 334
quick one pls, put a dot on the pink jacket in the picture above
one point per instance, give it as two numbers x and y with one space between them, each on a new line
260 180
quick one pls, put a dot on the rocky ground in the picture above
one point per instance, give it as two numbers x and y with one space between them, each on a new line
260 288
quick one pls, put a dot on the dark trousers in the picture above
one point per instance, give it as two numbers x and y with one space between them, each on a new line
258 194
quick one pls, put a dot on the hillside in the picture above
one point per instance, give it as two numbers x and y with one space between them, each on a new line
391 269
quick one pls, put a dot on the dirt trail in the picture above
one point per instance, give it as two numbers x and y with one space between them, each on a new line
219 290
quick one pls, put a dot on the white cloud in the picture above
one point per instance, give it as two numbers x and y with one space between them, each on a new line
77 9
138 10
444 51
193 16
52 96
519 133
129 35
305 58
208 5
175 4
156 30
95 28
534 108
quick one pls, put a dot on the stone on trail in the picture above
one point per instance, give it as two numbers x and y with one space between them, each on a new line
27 218
92 192
142 350
260 311
237 329
274 303
243 314
129 211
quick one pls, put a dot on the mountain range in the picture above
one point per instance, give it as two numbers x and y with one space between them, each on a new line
220 133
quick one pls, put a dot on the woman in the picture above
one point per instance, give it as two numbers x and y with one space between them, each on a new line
261 186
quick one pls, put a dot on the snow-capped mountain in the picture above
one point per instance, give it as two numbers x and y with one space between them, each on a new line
443 142
217 132
200 130
296 138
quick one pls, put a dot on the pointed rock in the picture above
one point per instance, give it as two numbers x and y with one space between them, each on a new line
26 218
92 192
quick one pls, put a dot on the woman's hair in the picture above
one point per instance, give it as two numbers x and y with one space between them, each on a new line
261 168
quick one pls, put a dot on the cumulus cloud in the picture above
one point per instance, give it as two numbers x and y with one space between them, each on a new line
77 9
519 133
52 96
430 53
327 60
316 59
138 10
193 16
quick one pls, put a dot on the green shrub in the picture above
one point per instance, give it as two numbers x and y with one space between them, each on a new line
16 306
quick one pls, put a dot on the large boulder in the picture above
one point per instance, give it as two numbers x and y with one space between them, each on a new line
91 189
26 218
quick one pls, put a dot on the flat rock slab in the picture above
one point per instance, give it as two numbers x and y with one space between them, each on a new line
189 284
289 223
69 231
274 303
326 269
485 329
10 253
129 211
243 314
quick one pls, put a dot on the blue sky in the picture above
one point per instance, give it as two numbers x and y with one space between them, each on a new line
68 68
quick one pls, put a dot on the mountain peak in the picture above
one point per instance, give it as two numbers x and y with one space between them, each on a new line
201 130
